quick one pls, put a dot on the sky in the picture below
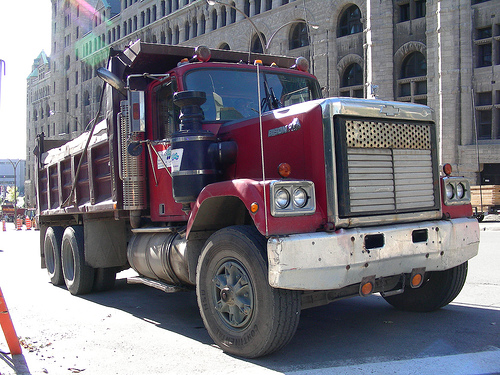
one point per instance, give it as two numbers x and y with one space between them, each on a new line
24 32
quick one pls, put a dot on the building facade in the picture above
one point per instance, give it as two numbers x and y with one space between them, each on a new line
443 53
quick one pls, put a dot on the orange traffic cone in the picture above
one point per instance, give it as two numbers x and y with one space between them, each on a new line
28 223
19 224
8 327
4 228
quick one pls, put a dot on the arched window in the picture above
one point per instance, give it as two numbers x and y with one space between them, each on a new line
246 8
299 36
233 12
169 36
353 76
225 46
257 6
195 27
352 81
203 24
176 35
186 30
414 65
256 44
350 21
223 16
163 38
412 85
214 19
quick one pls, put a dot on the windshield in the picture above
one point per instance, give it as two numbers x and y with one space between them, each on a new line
232 94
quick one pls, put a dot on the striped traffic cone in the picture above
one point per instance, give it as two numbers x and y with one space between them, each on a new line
4 228
28 223
8 327
19 224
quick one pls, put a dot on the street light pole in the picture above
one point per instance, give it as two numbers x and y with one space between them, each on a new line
315 27
15 186
259 34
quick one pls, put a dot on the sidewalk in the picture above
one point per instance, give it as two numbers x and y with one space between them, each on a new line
490 222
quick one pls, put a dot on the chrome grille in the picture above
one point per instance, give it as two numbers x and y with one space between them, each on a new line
132 169
389 167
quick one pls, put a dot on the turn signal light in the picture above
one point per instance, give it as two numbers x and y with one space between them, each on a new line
416 280
367 288
254 207
284 170
447 169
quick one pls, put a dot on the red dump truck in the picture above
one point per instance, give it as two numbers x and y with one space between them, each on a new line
230 174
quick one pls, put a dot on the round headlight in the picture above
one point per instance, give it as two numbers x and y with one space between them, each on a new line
299 197
460 191
449 191
282 198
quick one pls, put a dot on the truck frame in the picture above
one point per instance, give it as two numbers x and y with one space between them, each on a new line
228 173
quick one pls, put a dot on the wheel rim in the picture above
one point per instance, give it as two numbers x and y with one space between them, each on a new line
50 259
233 294
68 263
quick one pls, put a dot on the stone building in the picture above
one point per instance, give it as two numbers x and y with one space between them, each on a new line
443 53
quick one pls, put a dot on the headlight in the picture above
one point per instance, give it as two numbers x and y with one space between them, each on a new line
299 197
292 197
282 198
456 191
449 191
460 191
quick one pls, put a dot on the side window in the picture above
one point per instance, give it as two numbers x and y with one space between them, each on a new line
167 121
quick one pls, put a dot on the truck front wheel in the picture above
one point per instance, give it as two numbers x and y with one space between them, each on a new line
52 253
438 289
78 277
240 310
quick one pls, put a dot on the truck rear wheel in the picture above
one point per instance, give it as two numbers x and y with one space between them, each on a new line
438 290
78 276
52 252
240 310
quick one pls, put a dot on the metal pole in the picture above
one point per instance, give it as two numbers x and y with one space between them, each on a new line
259 34
15 186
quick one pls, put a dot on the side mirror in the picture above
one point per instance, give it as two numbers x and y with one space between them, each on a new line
112 80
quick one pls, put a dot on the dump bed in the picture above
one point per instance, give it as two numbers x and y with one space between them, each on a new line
57 170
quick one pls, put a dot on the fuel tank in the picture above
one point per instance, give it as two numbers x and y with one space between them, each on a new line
159 256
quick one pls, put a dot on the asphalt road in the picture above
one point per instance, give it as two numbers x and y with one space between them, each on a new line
134 329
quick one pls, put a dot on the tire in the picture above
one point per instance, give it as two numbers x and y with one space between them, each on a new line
438 290
52 252
242 313
104 279
78 277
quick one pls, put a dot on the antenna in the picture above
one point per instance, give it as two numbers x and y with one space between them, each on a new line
2 64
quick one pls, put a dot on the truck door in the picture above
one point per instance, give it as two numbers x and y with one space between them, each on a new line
165 121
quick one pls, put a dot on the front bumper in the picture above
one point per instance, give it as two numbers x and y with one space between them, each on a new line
325 261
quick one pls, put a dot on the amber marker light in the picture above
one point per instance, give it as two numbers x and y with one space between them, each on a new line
416 280
447 169
254 207
284 170
367 288
203 53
